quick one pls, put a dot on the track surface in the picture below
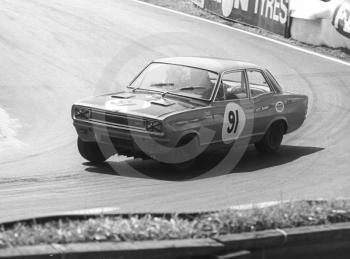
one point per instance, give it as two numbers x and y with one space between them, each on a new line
53 53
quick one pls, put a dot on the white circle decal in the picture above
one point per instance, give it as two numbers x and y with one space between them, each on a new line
279 106
125 105
234 122
226 7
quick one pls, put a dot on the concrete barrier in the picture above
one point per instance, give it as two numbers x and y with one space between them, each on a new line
318 32
321 23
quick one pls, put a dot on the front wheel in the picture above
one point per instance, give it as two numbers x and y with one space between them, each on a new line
91 151
272 139
185 153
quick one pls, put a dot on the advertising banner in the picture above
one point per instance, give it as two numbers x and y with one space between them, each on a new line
271 15
341 19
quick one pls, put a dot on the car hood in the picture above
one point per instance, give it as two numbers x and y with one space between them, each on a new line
143 104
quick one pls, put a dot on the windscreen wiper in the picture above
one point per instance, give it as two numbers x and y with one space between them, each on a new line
163 84
173 92
145 89
190 88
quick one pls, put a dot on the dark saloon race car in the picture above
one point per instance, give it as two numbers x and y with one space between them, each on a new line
177 108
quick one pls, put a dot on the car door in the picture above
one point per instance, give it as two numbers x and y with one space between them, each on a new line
232 108
263 96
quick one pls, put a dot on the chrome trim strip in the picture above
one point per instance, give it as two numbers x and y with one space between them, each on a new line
119 127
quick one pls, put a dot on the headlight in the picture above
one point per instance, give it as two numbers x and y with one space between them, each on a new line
81 113
154 126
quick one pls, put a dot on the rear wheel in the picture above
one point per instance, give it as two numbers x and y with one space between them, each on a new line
91 151
272 139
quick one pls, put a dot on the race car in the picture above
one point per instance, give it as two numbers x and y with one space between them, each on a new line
177 108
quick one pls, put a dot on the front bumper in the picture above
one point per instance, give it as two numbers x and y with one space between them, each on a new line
126 141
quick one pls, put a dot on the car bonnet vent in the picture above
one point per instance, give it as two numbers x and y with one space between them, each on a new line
163 102
123 95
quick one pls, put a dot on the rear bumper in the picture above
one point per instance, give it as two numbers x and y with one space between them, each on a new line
126 141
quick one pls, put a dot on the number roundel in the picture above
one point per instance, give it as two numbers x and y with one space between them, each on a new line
234 122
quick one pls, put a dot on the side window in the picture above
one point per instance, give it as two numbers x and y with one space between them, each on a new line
232 86
220 96
257 83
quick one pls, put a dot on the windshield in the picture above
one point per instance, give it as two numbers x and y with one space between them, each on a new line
177 79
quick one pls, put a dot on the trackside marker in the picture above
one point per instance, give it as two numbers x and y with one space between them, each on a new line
94 211
247 32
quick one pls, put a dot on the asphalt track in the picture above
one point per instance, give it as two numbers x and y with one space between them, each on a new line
53 53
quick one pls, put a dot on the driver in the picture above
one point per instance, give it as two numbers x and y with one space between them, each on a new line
201 78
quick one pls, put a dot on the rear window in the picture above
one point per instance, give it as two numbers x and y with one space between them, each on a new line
274 82
257 83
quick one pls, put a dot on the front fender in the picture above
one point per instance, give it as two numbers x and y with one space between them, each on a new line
192 122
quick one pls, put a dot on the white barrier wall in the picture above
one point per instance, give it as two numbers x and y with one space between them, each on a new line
316 22
318 32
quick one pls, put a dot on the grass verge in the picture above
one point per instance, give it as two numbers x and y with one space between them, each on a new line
170 227
186 6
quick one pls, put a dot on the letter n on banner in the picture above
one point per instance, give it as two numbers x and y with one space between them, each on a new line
199 3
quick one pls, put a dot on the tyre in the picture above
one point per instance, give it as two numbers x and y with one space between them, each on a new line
272 139
91 151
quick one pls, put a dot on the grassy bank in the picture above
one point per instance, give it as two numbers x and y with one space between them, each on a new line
150 227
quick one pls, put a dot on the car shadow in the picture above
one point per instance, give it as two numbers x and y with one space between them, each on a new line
251 161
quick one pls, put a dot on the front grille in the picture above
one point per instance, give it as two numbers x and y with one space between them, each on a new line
117 119
109 118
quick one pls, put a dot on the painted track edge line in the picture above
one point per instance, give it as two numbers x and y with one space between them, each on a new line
310 52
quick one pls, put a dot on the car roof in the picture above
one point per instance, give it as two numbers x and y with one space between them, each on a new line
218 65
